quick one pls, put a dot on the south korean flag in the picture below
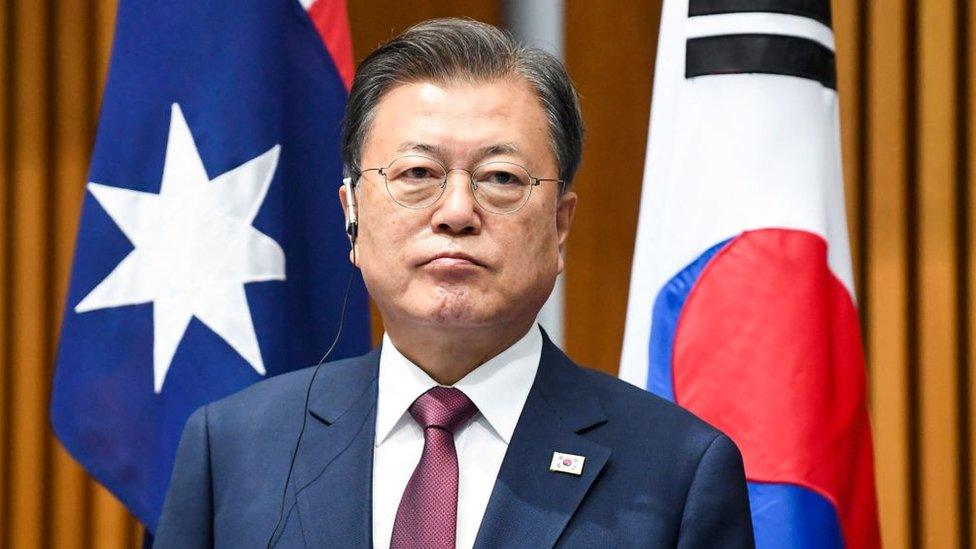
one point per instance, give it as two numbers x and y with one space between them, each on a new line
742 305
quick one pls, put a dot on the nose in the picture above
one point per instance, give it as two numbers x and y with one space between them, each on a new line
457 212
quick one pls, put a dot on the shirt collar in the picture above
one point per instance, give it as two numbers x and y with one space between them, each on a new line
499 387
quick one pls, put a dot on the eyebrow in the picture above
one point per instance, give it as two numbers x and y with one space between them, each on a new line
482 153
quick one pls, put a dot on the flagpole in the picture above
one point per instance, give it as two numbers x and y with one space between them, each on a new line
539 23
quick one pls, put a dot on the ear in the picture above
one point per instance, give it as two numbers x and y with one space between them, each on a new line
565 210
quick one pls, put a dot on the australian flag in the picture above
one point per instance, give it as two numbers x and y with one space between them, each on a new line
211 252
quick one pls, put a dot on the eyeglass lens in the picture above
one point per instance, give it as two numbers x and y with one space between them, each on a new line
418 181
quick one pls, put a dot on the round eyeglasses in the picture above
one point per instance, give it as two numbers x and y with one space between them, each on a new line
416 182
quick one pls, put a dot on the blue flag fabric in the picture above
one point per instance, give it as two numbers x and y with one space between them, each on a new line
211 252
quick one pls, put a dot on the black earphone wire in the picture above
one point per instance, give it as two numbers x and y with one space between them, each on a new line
308 393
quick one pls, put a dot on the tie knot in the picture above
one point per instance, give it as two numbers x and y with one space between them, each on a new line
444 407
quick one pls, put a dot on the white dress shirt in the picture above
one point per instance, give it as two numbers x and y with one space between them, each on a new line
498 388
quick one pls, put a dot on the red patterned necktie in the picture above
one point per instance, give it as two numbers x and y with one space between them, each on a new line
427 516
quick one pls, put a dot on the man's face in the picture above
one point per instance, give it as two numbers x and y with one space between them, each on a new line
455 265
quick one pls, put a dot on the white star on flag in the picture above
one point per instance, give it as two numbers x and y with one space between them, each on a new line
195 249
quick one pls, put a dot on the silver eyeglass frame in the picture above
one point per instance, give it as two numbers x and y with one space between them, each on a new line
533 182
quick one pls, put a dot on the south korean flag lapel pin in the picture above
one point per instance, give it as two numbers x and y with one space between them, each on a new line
567 463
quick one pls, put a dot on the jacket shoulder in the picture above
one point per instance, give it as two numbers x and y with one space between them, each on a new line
642 410
280 400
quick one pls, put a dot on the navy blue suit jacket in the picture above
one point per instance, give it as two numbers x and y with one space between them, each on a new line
654 475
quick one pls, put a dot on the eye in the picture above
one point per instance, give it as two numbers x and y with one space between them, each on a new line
499 177
502 178
417 172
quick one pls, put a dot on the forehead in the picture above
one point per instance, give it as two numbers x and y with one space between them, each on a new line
460 121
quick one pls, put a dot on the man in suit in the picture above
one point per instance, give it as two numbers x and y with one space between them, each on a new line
467 427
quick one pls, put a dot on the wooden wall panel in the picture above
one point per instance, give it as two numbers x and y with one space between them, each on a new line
6 88
111 523
74 108
28 418
610 55
937 269
968 247
376 21
102 31
886 282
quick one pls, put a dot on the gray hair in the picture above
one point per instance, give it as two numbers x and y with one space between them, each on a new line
447 50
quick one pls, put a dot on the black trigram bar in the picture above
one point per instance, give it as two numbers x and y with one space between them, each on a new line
761 53
814 9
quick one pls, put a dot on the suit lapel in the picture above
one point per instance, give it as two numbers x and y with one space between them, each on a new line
530 506
333 469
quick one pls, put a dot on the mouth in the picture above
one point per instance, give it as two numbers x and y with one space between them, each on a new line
451 260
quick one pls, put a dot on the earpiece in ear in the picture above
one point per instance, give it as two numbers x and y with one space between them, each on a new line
352 220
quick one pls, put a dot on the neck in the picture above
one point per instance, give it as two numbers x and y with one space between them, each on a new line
447 355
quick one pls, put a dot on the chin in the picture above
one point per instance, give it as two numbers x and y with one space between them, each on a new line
457 307
454 305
